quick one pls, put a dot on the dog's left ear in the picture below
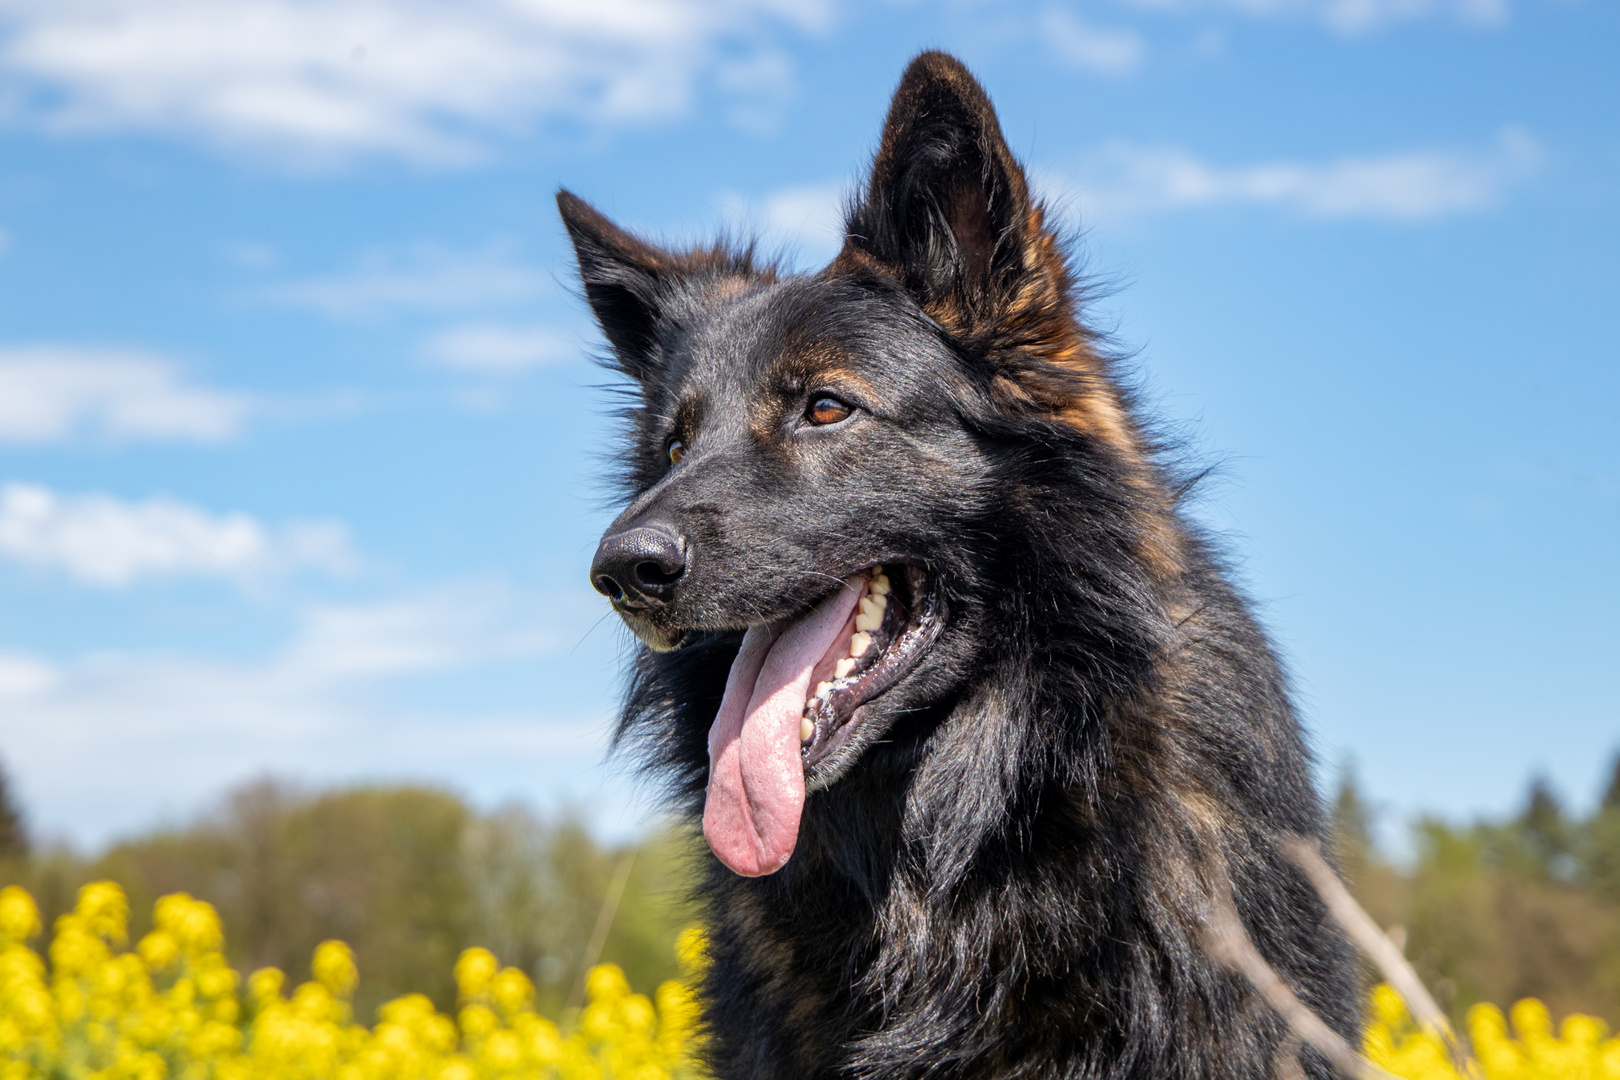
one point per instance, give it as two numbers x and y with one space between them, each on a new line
948 210
624 280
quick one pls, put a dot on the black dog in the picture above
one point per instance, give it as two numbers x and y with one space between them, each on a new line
966 706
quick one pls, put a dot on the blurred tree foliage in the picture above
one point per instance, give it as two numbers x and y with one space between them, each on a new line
408 876
1500 910
1489 910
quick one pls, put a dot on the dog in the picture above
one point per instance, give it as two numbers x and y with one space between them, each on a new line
971 714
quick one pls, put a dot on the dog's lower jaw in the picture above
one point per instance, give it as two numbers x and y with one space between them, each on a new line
657 638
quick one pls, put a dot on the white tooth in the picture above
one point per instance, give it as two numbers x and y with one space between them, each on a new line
880 601
859 643
868 620
880 586
873 605
807 729
823 689
844 667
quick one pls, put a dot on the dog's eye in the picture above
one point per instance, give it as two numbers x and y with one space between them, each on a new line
677 450
826 410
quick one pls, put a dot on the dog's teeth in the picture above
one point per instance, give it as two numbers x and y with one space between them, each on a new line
844 667
823 689
807 729
880 585
859 643
871 614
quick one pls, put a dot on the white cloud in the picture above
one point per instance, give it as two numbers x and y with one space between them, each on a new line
1352 17
1122 180
52 392
1106 52
322 78
109 740
806 219
423 278
493 349
100 540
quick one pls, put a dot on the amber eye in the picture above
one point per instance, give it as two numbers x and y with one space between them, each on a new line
677 450
826 410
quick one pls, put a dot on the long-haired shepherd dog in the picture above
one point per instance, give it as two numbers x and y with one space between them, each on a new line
971 714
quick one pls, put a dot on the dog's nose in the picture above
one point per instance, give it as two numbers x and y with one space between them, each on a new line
645 561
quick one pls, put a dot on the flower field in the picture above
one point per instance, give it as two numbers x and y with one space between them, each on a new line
172 1007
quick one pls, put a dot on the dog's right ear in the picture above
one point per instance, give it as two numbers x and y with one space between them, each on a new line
948 212
624 281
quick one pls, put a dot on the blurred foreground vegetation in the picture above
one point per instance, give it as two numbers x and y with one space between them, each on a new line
1496 911
409 877
171 1006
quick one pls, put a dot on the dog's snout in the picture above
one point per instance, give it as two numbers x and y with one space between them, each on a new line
645 561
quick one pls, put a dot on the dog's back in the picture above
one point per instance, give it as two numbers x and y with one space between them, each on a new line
1044 727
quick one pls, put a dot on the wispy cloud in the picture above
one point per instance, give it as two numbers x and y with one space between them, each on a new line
804 219
494 349
111 738
1351 17
425 80
424 278
1094 48
54 392
1123 180
101 540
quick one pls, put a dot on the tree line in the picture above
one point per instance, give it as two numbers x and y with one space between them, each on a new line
1488 910
1500 909
407 875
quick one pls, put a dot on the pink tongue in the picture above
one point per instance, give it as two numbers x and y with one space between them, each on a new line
756 778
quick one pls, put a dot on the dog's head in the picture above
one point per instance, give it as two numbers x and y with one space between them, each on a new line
813 458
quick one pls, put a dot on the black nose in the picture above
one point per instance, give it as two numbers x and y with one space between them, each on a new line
645 561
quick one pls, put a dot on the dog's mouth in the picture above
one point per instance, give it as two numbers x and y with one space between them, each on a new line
893 621
795 697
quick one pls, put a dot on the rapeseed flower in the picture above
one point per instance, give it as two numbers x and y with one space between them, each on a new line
171 1008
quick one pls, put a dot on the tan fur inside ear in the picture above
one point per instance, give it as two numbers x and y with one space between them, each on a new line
999 282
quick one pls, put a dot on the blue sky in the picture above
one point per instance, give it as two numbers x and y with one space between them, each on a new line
299 439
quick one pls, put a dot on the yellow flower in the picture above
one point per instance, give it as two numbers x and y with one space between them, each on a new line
692 952
104 911
159 949
478 1021
19 915
606 982
193 923
265 985
511 991
335 969
474 970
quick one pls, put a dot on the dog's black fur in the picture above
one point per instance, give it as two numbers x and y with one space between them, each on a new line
1006 871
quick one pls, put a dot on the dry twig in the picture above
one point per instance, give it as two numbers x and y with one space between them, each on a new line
1397 971
1229 943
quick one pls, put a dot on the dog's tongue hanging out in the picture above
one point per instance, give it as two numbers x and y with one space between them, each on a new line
756 778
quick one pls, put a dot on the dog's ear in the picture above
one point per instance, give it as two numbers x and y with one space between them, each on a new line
947 209
624 279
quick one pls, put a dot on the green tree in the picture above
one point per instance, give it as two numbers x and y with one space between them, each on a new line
13 829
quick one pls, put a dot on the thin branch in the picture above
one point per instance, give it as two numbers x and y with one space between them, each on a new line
1229 943
604 922
1397 971
1285 1059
